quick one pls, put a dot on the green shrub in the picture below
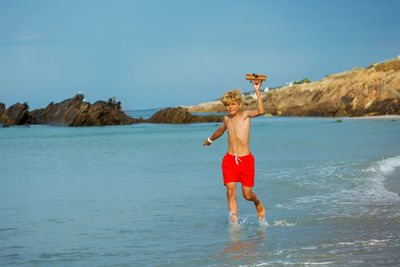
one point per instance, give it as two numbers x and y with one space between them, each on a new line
355 69
306 80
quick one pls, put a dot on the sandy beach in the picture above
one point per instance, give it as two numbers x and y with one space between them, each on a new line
386 117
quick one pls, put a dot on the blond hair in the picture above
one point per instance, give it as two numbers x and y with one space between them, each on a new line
232 96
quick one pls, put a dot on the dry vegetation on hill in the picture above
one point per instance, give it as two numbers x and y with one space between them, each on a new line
361 92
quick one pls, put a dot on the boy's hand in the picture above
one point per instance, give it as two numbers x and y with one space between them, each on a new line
256 85
206 143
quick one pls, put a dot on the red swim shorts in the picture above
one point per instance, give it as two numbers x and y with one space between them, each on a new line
238 169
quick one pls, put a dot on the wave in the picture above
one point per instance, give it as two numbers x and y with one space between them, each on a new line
346 189
389 165
381 170
371 183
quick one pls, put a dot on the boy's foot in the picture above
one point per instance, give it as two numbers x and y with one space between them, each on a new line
260 210
233 219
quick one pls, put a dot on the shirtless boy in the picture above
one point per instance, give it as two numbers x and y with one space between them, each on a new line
238 163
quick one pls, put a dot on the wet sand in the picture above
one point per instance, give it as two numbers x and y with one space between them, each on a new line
387 117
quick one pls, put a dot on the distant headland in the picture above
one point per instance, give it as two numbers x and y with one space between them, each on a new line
370 91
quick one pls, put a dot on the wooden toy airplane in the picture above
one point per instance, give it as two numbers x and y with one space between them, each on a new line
256 77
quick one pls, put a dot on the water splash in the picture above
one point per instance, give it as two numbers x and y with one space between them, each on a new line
262 222
234 227
237 223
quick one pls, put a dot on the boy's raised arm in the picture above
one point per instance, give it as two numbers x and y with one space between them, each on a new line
218 133
260 110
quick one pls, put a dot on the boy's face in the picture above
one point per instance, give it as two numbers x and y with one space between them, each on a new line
233 107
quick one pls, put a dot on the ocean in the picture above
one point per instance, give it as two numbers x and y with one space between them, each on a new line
152 195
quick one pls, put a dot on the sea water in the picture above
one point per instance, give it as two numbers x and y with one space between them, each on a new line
152 195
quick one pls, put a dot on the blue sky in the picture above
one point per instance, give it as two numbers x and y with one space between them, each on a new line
151 54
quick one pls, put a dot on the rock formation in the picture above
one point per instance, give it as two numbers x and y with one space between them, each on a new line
76 112
2 109
181 115
17 114
361 92
214 106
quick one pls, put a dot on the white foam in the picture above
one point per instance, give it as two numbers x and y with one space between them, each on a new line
345 243
359 243
370 187
318 263
308 248
380 170
275 263
387 166
282 223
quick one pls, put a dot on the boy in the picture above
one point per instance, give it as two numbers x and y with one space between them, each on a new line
238 163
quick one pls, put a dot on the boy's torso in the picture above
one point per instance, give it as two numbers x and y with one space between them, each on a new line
238 134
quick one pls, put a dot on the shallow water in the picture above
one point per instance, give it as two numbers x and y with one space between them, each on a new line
151 195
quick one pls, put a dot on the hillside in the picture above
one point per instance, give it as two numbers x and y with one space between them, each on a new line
370 91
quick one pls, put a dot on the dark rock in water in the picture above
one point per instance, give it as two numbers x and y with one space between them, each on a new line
103 113
2 109
339 121
76 112
181 115
17 114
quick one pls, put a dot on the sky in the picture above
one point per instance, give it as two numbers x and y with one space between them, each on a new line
156 54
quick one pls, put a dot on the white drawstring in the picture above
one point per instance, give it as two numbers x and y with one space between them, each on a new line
237 159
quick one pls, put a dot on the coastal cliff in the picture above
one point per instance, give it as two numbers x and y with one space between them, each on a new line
370 91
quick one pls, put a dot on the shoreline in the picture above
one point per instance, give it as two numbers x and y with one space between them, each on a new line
376 117
384 117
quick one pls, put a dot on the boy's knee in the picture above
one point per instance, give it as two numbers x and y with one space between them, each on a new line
247 195
231 192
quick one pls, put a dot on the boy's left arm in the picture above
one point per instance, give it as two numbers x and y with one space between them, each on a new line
256 112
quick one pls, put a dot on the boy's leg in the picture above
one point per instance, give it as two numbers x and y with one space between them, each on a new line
249 195
232 204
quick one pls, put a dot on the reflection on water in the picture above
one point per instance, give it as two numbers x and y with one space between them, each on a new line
244 251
